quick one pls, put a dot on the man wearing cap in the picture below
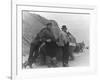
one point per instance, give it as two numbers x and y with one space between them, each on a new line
71 42
45 34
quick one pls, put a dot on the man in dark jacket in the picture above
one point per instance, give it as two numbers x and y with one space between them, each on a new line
44 35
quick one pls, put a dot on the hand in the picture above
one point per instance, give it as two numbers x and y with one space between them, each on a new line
48 40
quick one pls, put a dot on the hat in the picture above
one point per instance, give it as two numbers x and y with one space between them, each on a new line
49 23
64 27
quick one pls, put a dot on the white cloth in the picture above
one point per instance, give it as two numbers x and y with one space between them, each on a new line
72 44
72 40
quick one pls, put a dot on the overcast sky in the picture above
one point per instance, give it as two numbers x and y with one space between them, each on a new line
78 24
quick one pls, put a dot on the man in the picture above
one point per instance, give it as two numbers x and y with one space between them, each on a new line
64 40
71 42
44 35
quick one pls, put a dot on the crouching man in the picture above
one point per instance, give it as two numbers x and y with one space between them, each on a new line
41 37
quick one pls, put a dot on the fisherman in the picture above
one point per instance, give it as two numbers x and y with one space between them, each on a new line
71 43
45 34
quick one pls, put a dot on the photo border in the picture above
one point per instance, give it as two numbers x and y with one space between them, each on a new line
17 32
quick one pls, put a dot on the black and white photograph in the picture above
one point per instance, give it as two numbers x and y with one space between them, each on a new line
50 40
55 39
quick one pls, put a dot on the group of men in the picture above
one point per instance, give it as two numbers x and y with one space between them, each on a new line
46 35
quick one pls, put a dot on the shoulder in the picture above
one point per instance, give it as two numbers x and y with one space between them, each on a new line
62 32
68 33
43 29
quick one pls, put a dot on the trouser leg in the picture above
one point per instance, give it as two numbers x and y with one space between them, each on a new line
30 59
65 56
34 47
42 56
48 61
54 61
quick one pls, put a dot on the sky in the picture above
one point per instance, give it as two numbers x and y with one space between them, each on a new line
77 24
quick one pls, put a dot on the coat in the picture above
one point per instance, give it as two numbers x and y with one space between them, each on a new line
63 38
